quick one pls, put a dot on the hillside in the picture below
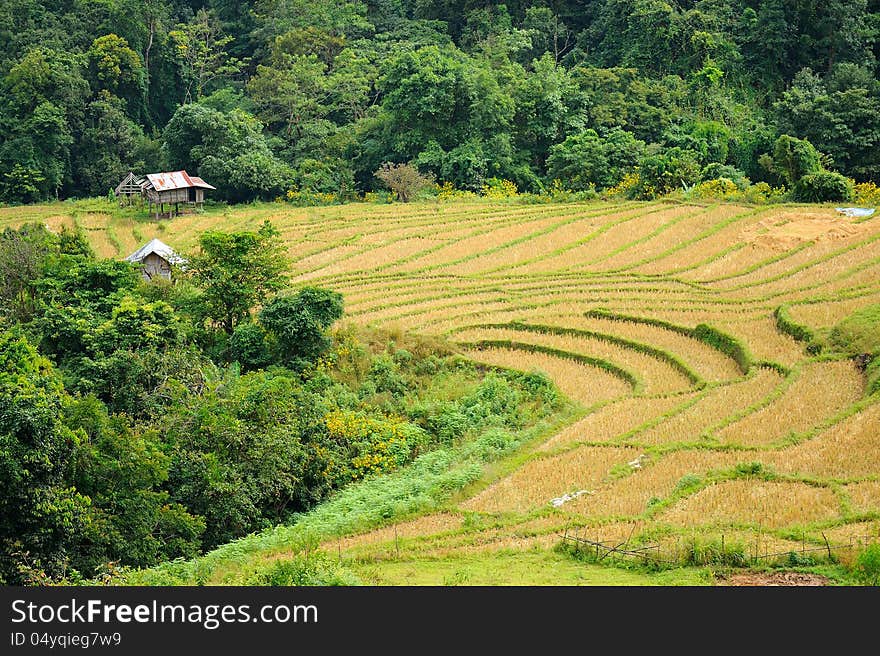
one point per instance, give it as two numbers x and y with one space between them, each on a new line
669 325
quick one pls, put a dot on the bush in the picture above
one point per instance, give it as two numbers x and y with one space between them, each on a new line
248 346
664 173
872 373
822 187
721 188
859 332
299 323
404 180
868 565
866 194
713 552
498 188
715 171
792 159
309 569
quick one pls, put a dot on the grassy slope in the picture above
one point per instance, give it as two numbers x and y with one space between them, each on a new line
434 268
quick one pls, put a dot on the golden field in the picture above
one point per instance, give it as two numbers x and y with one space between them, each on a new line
466 270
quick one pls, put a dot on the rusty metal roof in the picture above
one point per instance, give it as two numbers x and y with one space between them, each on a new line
198 182
175 180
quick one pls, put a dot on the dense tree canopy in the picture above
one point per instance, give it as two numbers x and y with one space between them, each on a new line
268 97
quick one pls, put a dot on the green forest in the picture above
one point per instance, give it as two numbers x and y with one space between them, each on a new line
307 99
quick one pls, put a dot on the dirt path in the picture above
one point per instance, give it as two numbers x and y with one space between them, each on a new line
773 578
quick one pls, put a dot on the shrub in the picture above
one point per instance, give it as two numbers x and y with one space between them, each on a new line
761 192
822 187
498 188
792 159
750 469
868 565
626 188
720 188
866 194
713 552
447 191
688 482
299 323
859 332
663 173
715 171
248 346
872 373
559 193
309 569
404 180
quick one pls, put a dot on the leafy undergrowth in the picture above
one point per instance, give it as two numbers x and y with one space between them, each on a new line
516 410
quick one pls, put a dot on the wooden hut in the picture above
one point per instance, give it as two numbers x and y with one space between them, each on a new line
173 188
129 189
156 259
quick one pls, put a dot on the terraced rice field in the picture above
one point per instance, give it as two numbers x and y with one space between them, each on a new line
698 415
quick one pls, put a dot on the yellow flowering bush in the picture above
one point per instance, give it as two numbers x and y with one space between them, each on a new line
867 194
626 188
377 444
447 191
498 188
722 188
309 198
727 189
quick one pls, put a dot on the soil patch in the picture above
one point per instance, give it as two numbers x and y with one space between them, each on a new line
790 229
773 579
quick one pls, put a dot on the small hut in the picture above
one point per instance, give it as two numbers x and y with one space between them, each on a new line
156 259
173 188
129 189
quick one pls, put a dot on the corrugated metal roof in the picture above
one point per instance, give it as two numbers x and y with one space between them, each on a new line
158 247
169 180
198 182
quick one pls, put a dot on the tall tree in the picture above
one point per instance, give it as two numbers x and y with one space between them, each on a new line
238 271
201 48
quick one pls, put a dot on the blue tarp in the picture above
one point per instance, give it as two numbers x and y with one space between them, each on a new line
856 211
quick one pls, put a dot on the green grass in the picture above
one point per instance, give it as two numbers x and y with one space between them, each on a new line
859 332
518 568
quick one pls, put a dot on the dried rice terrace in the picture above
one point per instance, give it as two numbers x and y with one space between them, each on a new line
698 414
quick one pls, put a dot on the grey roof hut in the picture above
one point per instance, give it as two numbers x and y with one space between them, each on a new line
156 259
174 188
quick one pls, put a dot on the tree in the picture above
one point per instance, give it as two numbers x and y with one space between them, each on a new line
403 179
586 159
201 54
115 67
299 323
42 517
227 148
662 173
237 271
840 115
110 146
42 103
23 256
792 159
291 91
548 34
